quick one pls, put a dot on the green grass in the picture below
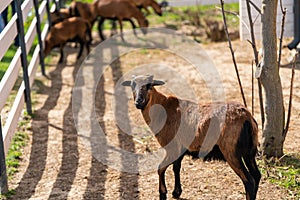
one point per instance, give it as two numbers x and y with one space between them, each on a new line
176 15
6 60
284 172
14 154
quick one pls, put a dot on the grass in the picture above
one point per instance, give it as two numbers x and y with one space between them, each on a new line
284 172
6 60
176 15
14 154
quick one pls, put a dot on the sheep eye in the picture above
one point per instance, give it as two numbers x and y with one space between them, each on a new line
148 86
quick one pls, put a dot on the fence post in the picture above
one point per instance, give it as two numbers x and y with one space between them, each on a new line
3 175
39 33
61 4
57 4
48 14
20 26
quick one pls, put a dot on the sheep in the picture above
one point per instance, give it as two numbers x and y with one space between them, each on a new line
185 129
71 29
59 15
142 4
119 10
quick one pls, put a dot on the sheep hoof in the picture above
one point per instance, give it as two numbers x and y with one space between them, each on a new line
176 193
162 196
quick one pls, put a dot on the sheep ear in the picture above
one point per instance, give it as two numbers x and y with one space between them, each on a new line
157 82
126 83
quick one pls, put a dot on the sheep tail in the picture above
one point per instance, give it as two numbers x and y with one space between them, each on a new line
249 138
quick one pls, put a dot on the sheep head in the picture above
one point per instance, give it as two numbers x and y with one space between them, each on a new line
141 88
157 7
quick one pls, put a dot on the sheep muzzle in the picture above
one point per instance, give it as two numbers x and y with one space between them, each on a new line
140 102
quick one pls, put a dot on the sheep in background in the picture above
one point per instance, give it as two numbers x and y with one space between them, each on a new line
70 30
119 10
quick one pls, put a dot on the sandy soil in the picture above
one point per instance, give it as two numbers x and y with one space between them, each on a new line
57 165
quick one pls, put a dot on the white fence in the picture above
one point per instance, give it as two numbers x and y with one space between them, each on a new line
15 27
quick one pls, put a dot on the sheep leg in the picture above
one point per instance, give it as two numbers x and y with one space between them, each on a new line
88 34
147 10
87 45
253 169
113 28
133 26
121 28
162 184
176 169
100 22
61 46
81 49
236 163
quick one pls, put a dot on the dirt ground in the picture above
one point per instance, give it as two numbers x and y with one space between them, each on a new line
57 165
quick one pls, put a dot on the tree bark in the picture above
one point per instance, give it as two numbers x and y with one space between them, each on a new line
272 141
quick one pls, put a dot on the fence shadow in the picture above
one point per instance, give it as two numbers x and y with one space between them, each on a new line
69 165
95 188
40 136
128 187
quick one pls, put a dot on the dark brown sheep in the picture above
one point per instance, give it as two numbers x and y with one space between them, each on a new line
222 130
119 10
74 29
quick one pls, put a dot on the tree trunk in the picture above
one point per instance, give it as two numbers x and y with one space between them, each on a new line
272 141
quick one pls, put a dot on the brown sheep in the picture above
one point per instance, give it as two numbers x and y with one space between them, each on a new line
119 10
232 138
71 29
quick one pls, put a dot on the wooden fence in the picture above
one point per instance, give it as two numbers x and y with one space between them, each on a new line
15 28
